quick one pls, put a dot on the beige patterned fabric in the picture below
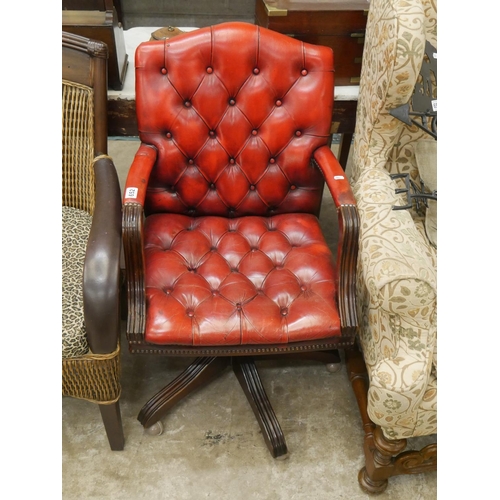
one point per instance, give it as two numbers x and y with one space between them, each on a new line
75 234
397 273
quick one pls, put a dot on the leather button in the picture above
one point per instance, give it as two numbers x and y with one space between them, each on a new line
212 186
256 71
252 187
210 70
303 288
278 103
187 104
191 161
238 306
303 72
292 187
254 132
232 102
164 71
272 160
298 133
190 313
232 161
169 135
212 133
284 311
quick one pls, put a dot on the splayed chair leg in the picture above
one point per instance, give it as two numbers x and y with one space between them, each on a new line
248 377
199 373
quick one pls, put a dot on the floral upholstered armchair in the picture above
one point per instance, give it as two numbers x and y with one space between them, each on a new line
397 274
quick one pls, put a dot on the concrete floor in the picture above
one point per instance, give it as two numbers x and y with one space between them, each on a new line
212 446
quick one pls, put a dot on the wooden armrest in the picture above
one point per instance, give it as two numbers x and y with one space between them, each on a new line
347 251
101 275
133 237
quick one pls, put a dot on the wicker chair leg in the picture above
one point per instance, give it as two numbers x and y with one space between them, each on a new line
112 420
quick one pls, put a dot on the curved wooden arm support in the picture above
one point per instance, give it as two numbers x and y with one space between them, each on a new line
347 258
133 238
101 273
133 220
347 251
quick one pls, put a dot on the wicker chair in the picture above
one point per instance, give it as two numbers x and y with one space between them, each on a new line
91 236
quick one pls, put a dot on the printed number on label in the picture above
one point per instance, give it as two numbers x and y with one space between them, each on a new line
132 193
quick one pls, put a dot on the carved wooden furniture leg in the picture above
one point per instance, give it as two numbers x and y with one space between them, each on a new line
112 420
372 478
197 374
248 377
383 457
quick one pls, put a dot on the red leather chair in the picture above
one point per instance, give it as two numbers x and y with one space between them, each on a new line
225 257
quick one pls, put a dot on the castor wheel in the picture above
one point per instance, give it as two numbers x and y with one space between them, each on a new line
154 430
333 367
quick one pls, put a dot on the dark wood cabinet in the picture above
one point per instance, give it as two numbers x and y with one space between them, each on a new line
339 24
98 20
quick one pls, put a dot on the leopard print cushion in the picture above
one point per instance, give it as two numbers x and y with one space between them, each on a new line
75 233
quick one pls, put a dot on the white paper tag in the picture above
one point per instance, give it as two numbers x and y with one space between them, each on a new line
435 55
338 177
131 192
434 105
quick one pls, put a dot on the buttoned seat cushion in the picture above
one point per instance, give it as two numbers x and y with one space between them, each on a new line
75 234
250 280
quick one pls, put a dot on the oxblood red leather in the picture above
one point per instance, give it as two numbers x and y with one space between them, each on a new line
234 137
233 249
252 280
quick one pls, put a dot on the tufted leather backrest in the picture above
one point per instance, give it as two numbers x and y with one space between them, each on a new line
235 112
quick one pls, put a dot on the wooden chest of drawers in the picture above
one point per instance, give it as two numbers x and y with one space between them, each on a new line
339 24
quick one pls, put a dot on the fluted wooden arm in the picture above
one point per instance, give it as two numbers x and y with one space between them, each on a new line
347 251
102 261
133 237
